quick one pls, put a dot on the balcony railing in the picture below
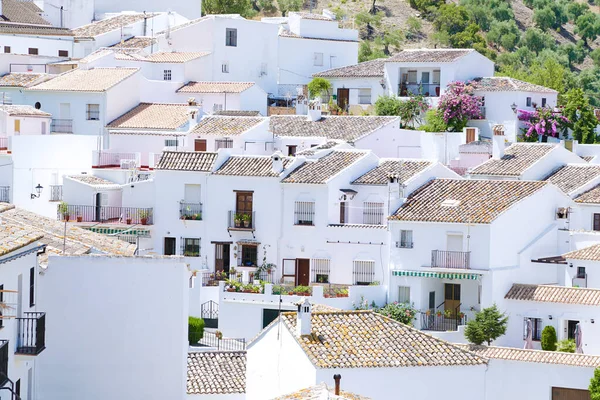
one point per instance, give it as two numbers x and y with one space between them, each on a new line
213 278
440 322
31 335
579 280
61 126
3 143
426 89
5 194
404 245
117 160
56 192
191 211
106 214
3 362
242 220
451 259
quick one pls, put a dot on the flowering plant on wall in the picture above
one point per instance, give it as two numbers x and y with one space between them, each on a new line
541 123
458 105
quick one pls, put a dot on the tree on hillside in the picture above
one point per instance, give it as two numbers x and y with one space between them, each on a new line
587 26
594 387
505 34
488 325
575 10
286 6
368 21
581 116
451 18
536 40
242 7
544 18
390 39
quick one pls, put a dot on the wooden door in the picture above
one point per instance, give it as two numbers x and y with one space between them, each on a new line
222 262
559 393
169 248
342 212
596 226
452 298
200 145
343 98
243 202
470 135
302 271
17 126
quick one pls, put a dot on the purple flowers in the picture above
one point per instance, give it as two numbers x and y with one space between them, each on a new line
542 121
458 105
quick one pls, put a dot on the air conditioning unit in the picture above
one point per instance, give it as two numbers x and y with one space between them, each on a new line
128 164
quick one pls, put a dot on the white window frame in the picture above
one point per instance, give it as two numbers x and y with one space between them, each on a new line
320 266
90 112
225 67
318 59
406 239
404 294
364 96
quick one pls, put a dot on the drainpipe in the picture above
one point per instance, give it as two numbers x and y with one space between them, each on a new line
337 378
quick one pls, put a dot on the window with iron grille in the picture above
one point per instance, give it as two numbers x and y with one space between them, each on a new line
406 241
93 112
231 37
167 75
217 107
404 294
320 269
581 272
191 247
364 96
536 328
528 102
372 213
249 256
223 144
171 142
363 272
55 192
304 213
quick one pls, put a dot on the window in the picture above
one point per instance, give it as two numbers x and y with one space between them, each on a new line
171 142
318 59
364 96
543 102
93 112
304 213
167 75
225 67
292 150
596 225
7 49
32 287
581 272
372 213
404 294
38 105
231 37
191 247
33 51
224 143
406 241
320 269
217 107
412 77
264 70
363 272
425 77
529 102
63 53
436 77
249 256
536 328
169 246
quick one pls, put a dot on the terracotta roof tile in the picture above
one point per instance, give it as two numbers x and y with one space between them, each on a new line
288 34
187 161
38 30
90 80
571 177
516 160
347 128
402 169
320 392
18 79
14 237
237 113
153 116
429 55
590 253
109 24
367 69
325 146
535 356
225 126
24 111
92 180
365 339
476 147
22 12
250 166
313 16
506 84
588 158
321 170
175 57
215 87
554 294
592 196
136 42
464 200
216 372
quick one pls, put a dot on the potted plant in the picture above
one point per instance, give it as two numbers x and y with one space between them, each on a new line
198 217
63 209
79 218
237 219
342 293
143 215
246 219
438 313
128 220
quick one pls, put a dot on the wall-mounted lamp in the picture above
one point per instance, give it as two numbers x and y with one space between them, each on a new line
550 317
382 83
592 320
38 192
513 107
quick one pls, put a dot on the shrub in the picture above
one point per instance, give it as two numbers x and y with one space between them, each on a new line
566 346
410 111
195 329
488 325
595 385
318 87
549 338
387 105
434 122
459 105
400 312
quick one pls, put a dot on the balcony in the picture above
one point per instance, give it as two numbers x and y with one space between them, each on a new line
242 221
5 194
61 126
403 244
580 280
106 159
31 335
190 211
4 143
406 89
106 214
56 192
441 322
451 259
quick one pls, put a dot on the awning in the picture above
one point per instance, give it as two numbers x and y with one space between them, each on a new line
439 275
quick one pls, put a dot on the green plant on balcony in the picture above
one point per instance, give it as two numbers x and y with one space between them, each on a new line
63 209
143 215
246 219
302 291
401 312
237 219
233 285
566 346
195 329
341 292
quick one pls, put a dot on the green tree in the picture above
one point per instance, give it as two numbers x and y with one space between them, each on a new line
318 87
387 105
434 121
566 346
587 26
488 325
575 10
266 6
536 40
595 55
544 18
242 7
505 34
400 312
390 39
549 338
367 51
414 26
594 387
286 6
366 21
451 18
581 116
468 38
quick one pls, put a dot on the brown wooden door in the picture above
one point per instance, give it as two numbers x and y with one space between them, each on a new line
470 135
243 202
569 394
343 98
342 212
222 257
452 298
200 145
302 271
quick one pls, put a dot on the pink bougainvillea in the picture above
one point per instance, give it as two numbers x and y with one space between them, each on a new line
542 122
458 105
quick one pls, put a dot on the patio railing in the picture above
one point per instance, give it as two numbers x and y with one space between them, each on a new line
106 214
441 322
451 259
190 211
61 126
5 194
426 89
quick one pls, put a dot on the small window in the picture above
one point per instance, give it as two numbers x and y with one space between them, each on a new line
364 96
304 213
363 272
529 102
225 68
63 53
320 270
191 247
406 241
436 77
596 224
318 59
292 150
404 294
169 247
93 112
31 286
536 328
7 49
543 102
249 256
581 272
171 143
38 105
373 213
224 143
33 51
231 37
167 75
217 107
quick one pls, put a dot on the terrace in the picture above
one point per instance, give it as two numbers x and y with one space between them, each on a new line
105 214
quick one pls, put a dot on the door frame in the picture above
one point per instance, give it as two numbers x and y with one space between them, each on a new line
297 275
347 98
226 255
454 302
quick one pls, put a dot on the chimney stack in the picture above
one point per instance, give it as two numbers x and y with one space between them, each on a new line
193 112
303 318
277 159
337 378
498 142
314 110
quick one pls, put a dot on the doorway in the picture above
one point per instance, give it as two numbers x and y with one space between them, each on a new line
559 393
432 300
302 271
200 145
571 325
343 98
222 261
452 298
169 248
343 212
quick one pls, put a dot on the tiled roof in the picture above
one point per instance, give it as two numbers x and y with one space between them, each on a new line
554 294
153 116
25 111
18 79
365 339
14 237
225 126
429 55
288 34
367 69
250 166
506 84
320 392
38 30
588 158
175 57
570 177
187 161
22 12
216 372
108 25
476 147
317 17
325 146
347 128
398 168
516 160
237 113
186 24
90 80
92 180
321 170
535 356
96 55
136 42
215 87
464 201
592 196
590 253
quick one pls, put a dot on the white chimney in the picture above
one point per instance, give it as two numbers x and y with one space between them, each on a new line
303 318
498 142
277 159
314 110
193 113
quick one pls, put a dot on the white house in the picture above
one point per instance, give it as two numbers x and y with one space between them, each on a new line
13 83
22 120
248 135
226 96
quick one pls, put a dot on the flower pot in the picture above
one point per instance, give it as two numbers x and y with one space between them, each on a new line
128 220
67 217
231 289
144 221
79 219
246 224
238 223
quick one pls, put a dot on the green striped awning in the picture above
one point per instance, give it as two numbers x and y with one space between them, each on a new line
439 275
